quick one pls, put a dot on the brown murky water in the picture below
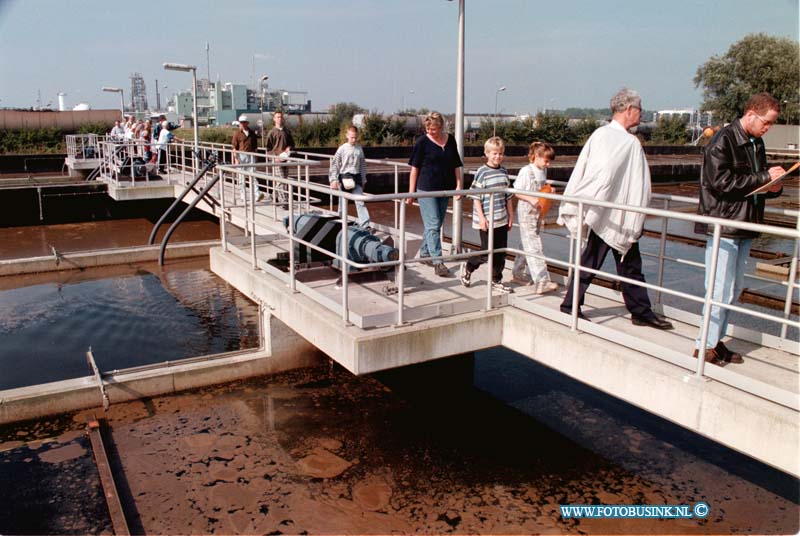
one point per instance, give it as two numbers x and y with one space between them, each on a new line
38 240
318 451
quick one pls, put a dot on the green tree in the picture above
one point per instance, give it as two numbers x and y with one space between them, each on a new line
583 129
553 128
671 131
756 63
375 128
343 112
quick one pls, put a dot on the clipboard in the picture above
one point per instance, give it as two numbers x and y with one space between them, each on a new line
765 187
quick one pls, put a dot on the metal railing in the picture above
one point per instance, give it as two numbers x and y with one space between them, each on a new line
84 146
294 186
128 163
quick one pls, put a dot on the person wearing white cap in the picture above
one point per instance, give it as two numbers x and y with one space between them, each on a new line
245 144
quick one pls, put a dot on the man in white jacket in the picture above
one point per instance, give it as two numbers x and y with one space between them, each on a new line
612 167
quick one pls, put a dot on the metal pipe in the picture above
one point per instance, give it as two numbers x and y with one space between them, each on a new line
223 216
662 247
292 281
253 186
396 190
457 203
710 277
345 266
787 307
401 268
576 274
490 255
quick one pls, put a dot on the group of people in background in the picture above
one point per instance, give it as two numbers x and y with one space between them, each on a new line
612 167
278 143
151 141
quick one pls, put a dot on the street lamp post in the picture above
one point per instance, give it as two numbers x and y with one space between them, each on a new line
193 69
496 94
263 123
457 202
121 97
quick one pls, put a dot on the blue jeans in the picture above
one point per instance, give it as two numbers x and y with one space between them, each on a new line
433 211
361 207
246 159
728 282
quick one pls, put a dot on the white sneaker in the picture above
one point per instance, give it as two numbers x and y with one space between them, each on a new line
500 287
543 287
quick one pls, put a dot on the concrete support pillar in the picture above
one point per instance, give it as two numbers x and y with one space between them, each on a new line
286 349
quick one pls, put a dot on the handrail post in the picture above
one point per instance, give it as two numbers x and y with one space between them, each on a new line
490 254
222 215
308 190
396 191
292 281
131 157
344 265
662 248
787 305
253 221
400 276
711 276
576 270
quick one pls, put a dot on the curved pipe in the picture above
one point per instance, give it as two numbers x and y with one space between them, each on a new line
210 163
178 220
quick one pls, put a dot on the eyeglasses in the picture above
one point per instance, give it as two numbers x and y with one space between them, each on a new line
766 123
637 108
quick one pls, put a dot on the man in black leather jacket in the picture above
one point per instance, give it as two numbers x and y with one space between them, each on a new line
734 164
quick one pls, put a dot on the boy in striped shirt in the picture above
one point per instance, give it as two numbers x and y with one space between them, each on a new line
491 175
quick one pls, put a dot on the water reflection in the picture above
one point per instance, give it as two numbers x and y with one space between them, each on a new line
146 315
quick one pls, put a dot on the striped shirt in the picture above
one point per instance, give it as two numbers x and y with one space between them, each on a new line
348 159
488 177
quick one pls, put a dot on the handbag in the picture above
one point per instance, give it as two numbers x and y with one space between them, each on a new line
544 203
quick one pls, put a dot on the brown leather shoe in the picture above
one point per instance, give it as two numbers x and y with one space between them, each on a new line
712 357
727 355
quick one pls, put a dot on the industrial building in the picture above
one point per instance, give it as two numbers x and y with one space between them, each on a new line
221 103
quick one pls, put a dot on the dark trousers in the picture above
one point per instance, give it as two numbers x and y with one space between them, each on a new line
636 299
498 259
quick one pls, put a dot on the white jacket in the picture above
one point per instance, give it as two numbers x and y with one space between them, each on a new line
611 167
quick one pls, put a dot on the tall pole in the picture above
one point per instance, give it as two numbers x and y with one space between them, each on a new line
459 123
496 94
208 64
158 97
122 101
194 117
263 123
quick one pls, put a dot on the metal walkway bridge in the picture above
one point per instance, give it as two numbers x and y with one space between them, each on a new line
376 316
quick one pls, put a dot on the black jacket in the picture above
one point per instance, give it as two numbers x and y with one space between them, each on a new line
734 164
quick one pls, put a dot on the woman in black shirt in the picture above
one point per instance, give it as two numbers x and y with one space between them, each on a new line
435 165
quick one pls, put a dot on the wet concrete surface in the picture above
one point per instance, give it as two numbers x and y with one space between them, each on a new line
319 451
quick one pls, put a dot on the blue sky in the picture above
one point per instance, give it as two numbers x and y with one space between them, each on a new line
549 54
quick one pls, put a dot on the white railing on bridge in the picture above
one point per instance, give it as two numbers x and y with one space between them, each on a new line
300 193
302 190
84 146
